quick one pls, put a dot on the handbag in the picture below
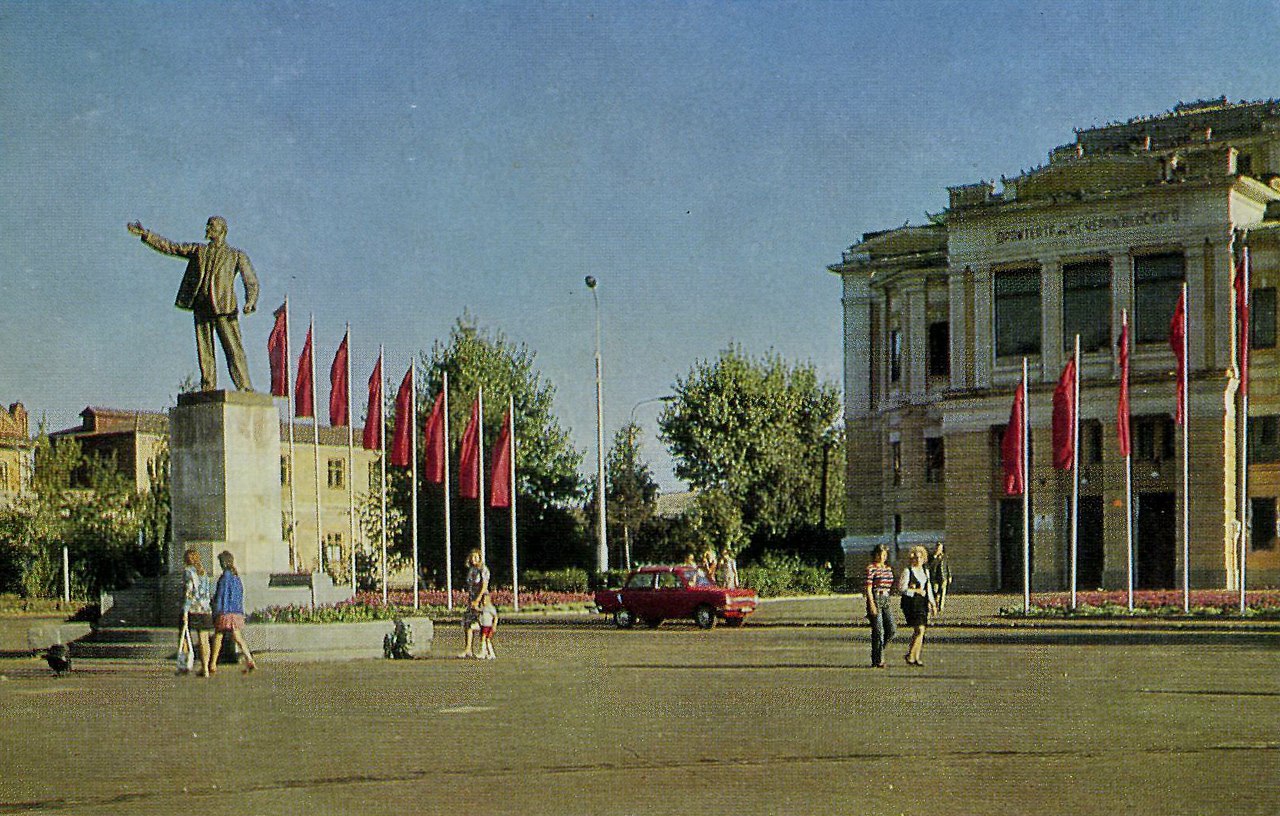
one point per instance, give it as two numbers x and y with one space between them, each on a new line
186 657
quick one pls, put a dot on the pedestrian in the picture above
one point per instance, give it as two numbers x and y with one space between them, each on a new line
228 613
879 611
917 600
488 622
477 584
939 576
728 569
709 564
197 617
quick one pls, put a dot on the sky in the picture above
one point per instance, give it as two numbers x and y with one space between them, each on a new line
399 165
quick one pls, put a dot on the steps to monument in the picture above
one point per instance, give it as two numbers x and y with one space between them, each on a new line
127 642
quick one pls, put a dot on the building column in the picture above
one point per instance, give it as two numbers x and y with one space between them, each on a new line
983 330
916 334
857 346
961 354
1121 298
1051 339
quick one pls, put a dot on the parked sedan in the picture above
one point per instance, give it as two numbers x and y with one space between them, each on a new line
657 593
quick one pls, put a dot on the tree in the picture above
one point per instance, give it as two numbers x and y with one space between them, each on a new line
631 493
764 433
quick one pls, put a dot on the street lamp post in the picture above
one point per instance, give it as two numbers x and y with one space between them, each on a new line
602 541
631 464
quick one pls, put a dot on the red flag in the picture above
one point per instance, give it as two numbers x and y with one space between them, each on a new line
278 353
1122 405
339 373
1011 447
1064 418
434 442
500 487
1178 342
304 386
401 444
469 457
1242 311
373 417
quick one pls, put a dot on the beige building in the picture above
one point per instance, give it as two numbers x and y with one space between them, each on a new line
938 318
132 440
15 453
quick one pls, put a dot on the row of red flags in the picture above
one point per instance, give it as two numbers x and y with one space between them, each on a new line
435 447
1066 392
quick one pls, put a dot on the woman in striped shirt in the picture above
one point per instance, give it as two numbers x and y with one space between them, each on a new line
879 611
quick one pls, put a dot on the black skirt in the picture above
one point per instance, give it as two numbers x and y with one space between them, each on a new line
916 609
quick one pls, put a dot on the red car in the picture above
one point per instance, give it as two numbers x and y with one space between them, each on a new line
654 594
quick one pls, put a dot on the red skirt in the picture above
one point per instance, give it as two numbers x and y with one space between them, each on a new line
230 622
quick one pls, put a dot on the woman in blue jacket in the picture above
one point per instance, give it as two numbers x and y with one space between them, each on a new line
228 612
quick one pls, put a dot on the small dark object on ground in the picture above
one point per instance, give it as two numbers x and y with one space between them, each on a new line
396 643
58 659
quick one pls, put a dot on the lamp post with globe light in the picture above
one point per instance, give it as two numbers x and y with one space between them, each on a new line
602 541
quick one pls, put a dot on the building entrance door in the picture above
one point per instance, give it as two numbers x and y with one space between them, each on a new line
1011 545
1089 543
1156 540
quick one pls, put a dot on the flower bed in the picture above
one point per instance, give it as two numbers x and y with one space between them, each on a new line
368 606
1164 603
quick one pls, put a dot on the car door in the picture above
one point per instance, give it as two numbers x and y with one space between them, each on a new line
637 594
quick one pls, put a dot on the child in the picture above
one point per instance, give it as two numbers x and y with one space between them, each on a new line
488 621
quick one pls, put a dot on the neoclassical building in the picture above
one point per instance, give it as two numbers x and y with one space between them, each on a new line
15 453
938 318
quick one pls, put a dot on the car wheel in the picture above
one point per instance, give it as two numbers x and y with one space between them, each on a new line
624 618
736 622
653 623
704 616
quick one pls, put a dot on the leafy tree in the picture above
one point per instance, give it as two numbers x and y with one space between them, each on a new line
756 429
630 491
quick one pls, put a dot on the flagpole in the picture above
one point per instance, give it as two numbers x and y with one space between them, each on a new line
1128 465
382 442
1243 343
351 468
480 465
1026 493
293 490
1186 459
1075 474
413 453
511 435
448 527
315 435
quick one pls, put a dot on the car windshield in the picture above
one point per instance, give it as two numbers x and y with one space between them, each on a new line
697 579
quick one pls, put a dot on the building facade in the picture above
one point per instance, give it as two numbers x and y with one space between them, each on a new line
15 453
938 319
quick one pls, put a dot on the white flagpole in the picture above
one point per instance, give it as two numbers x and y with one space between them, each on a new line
1075 473
293 491
382 440
351 467
448 525
1128 478
315 436
1186 457
1026 493
511 453
413 453
1244 435
480 465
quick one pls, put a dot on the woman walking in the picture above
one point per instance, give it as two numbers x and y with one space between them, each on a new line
917 600
228 612
197 618
940 576
477 588
876 591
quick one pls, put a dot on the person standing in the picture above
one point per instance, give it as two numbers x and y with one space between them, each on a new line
728 569
477 584
197 617
876 591
917 600
709 563
939 576
228 613
208 291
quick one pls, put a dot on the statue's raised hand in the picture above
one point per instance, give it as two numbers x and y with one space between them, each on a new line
135 227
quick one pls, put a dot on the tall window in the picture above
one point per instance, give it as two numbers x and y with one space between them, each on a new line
1264 439
1157 285
1086 305
1153 438
337 473
332 548
895 355
1262 318
935 459
1262 523
895 458
940 349
1091 441
286 472
1017 313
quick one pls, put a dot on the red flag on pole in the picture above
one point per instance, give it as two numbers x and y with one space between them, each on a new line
278 352
1011 447
339 372
500 487
401 455
469 457
434 448
1064 418
373 417
303 386
1122 404
1178 342
1241 285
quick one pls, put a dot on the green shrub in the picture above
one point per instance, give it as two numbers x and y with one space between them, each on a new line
777 574
570 579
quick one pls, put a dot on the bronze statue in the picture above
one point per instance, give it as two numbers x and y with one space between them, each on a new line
208 291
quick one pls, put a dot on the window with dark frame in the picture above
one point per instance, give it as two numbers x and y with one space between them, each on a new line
895 458
1262 523
1017 312
1262 318
940 349
1086 305
1157 285
895 355
1091 441
337 473
935 460
1264 439
1153 438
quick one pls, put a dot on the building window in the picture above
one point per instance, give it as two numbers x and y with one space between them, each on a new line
1153 438
935 459
1262 523
286 472
1264 439
1262 318
895 355
1086 305
1244 164
1017 313
895 457
1091 441
940 349
337 473
1157 285
333 549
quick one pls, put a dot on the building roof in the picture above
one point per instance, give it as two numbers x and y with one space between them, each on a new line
99 420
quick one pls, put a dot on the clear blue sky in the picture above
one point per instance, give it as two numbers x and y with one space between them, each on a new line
394 165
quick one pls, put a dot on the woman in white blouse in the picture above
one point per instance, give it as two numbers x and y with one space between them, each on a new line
917 600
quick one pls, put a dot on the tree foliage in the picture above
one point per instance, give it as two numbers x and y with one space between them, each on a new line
631 493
